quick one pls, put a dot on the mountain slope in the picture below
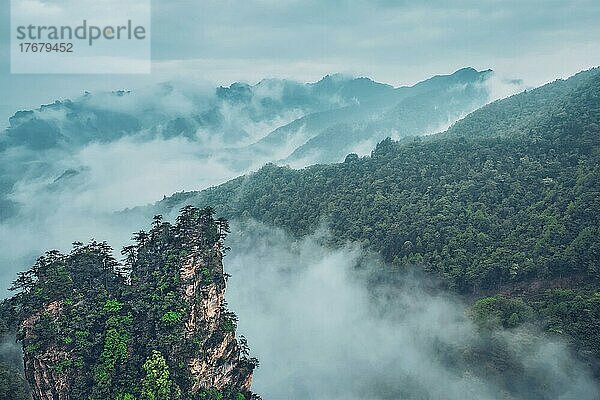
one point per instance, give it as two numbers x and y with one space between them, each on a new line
504 201
488 177
55 149
406 111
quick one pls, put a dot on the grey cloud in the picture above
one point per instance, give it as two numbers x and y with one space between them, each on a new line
395 42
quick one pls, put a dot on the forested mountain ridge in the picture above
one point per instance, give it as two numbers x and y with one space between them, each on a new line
154 328
546 105
506 201
239 127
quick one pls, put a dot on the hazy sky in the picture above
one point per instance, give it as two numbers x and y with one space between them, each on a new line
398 42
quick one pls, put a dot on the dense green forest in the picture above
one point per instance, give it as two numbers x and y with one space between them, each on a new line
504 207
91 328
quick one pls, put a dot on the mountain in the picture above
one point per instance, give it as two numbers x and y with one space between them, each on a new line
504 205
406 111
154 328
239 128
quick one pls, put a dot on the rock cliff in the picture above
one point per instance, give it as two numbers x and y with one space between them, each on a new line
156 327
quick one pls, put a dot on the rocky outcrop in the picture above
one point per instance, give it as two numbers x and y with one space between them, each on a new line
218 364
45 380
94 329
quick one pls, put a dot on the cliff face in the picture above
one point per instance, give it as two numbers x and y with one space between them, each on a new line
217 365
45 381
157 328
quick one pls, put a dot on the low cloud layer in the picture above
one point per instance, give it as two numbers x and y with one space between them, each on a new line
71 191
321 332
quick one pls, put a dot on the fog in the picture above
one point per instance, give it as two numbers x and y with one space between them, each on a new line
314 316
71 192
330 323
323 329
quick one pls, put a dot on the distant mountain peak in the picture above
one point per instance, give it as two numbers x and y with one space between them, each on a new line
335 77
465 70
460 76
469 73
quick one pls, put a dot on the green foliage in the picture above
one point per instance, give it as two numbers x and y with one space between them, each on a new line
125 396
112 306
115 351
62 366
156 385
32 348
210 394
12 384
500 311
574 313
228 325
171 317
228 321
571 313
207 277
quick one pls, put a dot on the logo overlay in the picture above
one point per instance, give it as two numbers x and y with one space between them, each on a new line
80 36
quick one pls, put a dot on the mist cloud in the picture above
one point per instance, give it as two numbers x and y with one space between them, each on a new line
71 191
321 332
